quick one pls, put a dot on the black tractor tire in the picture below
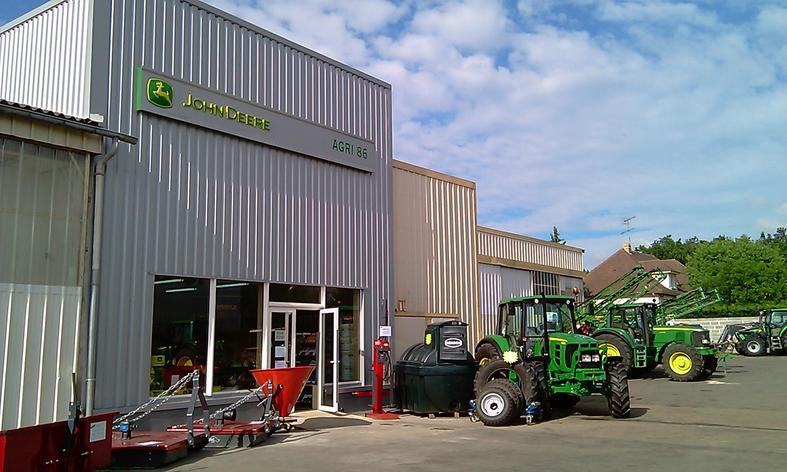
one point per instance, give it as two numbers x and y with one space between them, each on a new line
486 352
740 349
622 346
516 393
753 345
564 400
499 369
619 398
495 406
784 343
686 356
540 388
709 364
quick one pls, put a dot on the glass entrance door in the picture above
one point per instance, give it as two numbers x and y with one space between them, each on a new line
282 331
328 361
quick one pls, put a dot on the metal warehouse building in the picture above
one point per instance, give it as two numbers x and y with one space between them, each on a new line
448 267
249 226
183 190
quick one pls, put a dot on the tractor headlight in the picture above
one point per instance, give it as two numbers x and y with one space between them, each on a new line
706 341
586 358
596 358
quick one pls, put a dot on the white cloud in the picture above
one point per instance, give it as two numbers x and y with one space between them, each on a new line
471 24
673 112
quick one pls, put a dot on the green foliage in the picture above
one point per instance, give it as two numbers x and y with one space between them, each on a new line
750 275
668 248
742 270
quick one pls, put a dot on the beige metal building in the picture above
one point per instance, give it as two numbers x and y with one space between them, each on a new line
510 264
435 276
447 267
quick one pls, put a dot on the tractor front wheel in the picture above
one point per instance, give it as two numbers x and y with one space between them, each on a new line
619 398
616 346
498 369
682 363
709 364
753 345
495 405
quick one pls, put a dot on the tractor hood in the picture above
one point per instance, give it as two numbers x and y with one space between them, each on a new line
571 338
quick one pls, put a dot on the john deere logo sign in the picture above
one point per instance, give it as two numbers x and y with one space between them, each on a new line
223 112
160 93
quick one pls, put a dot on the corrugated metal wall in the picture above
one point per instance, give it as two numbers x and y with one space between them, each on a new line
497 283
45 60
189 201
42 212
434 246
529 250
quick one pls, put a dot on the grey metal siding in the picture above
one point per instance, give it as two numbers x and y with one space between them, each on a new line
434 248
490 282
45 59
528 250
497 283
193 202
42 213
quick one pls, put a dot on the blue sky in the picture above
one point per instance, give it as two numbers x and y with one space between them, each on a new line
575 113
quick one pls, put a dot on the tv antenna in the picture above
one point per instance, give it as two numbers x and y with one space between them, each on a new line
627 224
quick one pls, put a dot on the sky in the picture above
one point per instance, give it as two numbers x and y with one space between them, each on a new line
574 113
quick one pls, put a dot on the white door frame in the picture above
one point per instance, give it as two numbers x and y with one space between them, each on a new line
289 318
334 364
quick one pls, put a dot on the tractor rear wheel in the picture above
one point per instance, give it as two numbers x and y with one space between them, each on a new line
616 346
682 363
486 352
753 345
709 364
538 388
495 406
619 398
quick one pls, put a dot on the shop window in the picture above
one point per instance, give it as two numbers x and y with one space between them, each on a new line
238 339
348 302
294 293
180 329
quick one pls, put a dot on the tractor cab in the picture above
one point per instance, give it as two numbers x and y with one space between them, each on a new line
773 321
636 319
524 318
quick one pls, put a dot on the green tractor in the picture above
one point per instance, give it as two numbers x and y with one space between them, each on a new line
537 358
630 331
767 335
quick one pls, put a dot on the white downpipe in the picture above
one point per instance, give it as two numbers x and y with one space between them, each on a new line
99 169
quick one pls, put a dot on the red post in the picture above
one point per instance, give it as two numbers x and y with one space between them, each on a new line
380 345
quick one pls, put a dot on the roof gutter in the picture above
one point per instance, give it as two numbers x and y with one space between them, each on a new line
67 122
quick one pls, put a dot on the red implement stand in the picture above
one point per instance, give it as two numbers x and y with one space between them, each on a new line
50 447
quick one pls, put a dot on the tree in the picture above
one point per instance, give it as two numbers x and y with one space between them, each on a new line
668 248
742 270
555 236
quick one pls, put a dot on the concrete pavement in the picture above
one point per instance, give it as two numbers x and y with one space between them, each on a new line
731 422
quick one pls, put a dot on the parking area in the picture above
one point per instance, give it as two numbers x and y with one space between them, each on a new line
731 422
